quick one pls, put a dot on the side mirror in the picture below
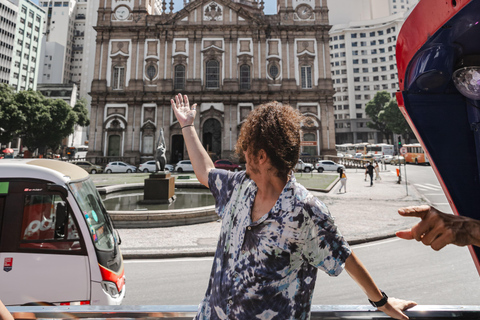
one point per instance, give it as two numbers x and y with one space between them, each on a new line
58 188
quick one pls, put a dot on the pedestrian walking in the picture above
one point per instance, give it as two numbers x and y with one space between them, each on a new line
275 234
343 181
377 171
370 170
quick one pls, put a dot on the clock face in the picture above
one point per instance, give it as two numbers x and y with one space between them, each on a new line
304 11
121 13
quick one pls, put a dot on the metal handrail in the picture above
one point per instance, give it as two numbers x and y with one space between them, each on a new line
331 312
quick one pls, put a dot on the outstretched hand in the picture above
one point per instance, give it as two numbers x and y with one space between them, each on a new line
395 307
437 229
181 107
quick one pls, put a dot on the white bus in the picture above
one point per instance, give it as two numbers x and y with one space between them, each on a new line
78 152
346 148
380 148
58 244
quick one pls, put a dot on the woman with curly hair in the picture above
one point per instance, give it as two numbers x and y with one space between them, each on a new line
275 234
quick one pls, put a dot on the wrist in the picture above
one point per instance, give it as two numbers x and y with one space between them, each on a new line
380 303
187 125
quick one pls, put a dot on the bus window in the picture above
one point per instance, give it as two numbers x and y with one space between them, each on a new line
48 224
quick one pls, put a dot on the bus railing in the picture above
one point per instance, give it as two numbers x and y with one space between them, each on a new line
324 312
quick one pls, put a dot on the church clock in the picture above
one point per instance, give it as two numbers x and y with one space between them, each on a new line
304 11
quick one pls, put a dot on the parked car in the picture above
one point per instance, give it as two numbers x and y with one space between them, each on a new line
227 165
387 158
119 166
328 165
358 155
377 157
397 160
88 166
151 166
303 166
184 165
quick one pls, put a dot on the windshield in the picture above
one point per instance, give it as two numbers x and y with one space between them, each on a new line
94 213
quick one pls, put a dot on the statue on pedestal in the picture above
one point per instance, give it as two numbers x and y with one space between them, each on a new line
160 152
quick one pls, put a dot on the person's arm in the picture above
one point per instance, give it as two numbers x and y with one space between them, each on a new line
201 162
4 313
437 229
360 275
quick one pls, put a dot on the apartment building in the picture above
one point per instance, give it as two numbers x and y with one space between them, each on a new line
27 46
8 23
362 57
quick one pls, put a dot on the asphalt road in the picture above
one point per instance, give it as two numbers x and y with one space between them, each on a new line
404 269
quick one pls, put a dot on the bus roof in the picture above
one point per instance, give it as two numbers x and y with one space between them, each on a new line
51 170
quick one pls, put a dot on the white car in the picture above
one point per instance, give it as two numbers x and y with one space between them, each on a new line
150 166
387 158
358 155
328 165
119 166
184 165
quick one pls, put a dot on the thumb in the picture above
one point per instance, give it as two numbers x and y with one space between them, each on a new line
404 234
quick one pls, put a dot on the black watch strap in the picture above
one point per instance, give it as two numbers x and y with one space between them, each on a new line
381 302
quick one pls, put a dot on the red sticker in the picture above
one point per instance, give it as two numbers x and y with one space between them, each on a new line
7 264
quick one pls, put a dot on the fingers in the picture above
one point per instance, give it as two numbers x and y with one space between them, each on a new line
418 211
404 234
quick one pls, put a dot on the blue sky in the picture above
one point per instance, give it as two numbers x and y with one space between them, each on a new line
269 5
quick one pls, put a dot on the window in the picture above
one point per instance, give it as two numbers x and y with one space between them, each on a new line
306 77
359 116
245 77
213 74
273 70
179 77
118 78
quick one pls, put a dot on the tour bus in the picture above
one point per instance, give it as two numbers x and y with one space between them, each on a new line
79 152
361 148
57 242
381 148
346 148
415 154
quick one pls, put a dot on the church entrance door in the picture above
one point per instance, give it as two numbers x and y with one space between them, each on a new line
212 138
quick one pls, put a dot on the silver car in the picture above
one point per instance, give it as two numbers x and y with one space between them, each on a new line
184 165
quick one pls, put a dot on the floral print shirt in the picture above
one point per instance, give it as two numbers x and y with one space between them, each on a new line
267 269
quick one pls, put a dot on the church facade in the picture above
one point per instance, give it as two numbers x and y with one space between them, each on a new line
226 55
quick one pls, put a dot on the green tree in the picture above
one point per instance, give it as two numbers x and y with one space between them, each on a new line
48 121
81 110
374 109
11 118
395 121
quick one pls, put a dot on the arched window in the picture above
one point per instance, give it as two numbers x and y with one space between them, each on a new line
306 77
118 82
245 77
212 74
179 83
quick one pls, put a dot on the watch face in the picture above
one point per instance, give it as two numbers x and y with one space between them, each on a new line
304 11
121 13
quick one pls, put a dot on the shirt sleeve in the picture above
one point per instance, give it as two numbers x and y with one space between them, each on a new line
325 247
221 184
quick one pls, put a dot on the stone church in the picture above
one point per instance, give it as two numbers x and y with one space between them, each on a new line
226 55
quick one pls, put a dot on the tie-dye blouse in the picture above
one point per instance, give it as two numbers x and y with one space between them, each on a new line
267 269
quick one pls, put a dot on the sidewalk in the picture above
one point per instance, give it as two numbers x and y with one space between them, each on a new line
362 214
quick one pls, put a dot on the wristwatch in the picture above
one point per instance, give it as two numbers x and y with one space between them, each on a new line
381 302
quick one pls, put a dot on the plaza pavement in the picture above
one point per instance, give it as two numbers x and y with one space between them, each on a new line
362 214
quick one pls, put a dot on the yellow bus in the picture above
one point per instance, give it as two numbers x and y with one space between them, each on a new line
415 154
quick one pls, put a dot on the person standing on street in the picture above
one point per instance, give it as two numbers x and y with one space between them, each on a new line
369 170
275 234
343 181
377 171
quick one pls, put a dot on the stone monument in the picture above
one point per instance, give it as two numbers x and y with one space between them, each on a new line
160 186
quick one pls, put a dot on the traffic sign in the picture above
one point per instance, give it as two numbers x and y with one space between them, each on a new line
403 150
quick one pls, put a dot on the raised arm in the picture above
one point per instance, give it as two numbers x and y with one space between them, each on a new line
201 162
394 307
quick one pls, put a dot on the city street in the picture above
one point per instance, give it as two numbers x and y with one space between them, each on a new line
403 269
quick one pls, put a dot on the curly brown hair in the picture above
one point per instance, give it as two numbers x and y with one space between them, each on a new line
274 128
